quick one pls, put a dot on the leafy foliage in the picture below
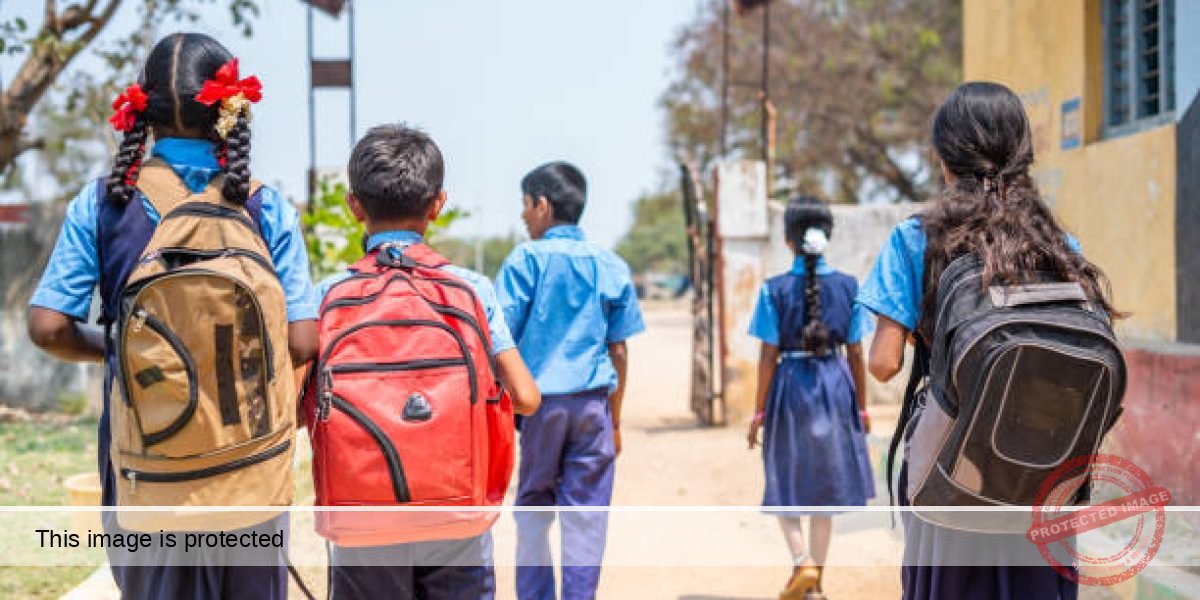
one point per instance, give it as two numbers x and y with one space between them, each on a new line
655 242
853 83
333 236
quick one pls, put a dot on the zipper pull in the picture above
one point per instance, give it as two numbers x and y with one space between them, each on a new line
326 395
138 320
132 477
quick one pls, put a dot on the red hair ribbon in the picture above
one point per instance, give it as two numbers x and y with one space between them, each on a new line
225 84
127 106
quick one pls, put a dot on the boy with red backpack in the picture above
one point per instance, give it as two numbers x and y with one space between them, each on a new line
408 404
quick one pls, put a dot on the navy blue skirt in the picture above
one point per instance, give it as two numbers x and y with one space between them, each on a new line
926 545
814 447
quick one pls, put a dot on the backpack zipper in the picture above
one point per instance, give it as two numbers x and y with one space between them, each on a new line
412 365
211 255
139 318
462 344
1025 318
437 307
180 476
208 210
326 398
390 455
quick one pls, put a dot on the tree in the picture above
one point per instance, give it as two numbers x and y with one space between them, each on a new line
655 241
62 36
854 83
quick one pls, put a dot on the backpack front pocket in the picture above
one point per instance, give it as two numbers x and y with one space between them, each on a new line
196 364
158 365
399 420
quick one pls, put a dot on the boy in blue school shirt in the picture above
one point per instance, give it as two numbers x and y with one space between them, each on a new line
570 305
396 176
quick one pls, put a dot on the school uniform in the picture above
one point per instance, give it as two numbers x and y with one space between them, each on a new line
98 245
565 300
442 570
814 446
894 289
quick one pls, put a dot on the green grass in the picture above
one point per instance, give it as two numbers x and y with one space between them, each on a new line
35 458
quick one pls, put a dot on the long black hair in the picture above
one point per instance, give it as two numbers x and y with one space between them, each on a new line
173 74
804 213
992 208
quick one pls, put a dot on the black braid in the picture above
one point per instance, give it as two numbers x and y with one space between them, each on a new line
128 162
816 334
237 162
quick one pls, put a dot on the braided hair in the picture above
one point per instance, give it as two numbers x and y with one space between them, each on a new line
175 71
804 213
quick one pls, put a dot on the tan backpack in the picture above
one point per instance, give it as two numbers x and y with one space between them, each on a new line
203 410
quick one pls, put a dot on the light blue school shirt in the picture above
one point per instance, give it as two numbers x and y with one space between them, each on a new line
73 271
896 284
764 323
501 338
566 299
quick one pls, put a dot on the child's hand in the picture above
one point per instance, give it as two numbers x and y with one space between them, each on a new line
755 425
865 417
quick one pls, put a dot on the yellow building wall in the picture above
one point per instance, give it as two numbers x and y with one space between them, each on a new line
1116 195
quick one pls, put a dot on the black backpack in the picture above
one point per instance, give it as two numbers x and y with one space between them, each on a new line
1020 379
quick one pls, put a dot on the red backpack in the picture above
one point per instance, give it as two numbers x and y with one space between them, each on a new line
403 405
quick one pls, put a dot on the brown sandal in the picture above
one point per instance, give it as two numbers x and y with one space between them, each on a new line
802 583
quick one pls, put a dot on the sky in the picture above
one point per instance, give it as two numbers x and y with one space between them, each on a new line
502 86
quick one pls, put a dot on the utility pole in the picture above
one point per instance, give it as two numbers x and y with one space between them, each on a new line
328 73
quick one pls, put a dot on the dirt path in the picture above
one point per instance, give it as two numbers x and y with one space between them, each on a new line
670 461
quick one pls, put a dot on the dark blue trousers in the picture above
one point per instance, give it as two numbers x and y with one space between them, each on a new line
443 570
207 574
567 454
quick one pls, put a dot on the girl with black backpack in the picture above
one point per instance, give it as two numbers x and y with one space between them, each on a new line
990 208
810 397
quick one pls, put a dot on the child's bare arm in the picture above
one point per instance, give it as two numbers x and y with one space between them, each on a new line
858 370
768 359
302 341
517 379
63 337
887 349
618 352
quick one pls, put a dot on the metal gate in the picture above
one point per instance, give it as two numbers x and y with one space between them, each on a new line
707 401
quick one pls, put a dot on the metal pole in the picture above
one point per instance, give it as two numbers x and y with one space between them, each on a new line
353 96
724 147
765 92
312 120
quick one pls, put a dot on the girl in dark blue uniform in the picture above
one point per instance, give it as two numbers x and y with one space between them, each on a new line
990 208
810 372
106 229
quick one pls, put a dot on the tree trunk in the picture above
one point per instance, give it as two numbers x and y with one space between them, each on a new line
48 56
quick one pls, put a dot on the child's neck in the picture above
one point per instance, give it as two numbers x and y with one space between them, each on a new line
417 225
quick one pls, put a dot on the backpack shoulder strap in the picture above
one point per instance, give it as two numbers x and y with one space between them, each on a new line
166 191
163 189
